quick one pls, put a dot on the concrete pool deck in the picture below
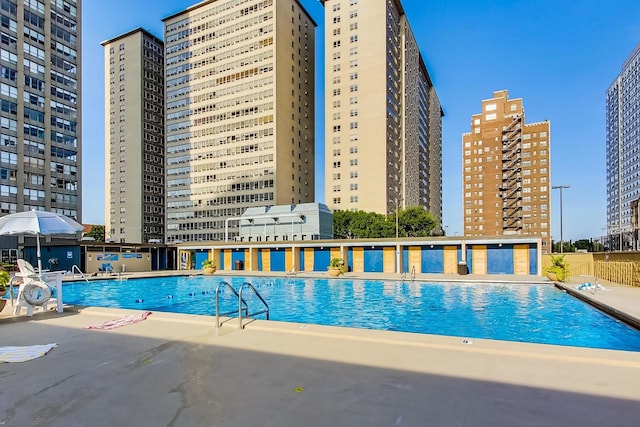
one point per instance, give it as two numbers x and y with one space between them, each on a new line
179 370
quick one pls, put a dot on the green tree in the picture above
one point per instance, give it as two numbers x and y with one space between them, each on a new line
582 244
97 232
412 222
341 225
416 222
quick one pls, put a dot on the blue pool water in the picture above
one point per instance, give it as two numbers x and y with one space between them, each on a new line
517 312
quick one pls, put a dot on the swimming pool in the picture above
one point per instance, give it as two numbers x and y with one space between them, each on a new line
513 312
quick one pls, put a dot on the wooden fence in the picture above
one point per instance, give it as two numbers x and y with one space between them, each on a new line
621 267
624 273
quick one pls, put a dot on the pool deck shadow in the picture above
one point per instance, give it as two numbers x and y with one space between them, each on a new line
179 370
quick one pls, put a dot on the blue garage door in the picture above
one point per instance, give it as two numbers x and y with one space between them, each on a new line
433 260
277 260
500 259
321 258
373 260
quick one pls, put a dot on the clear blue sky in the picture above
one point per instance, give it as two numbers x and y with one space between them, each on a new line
559 56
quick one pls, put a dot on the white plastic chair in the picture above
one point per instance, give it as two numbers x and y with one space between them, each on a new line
33 291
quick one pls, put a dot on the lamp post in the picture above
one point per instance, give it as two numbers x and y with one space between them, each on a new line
397 234
560 187
397 223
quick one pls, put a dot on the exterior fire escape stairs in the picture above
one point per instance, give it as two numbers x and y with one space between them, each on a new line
511 188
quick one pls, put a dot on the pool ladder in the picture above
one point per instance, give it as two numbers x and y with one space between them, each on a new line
403 277
243 308
75 268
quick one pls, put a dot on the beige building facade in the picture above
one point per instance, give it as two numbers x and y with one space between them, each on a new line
506 172
134 138
239 112
383 146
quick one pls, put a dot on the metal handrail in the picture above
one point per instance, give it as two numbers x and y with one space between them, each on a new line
11 287
413 273
75 267
240 303
240 300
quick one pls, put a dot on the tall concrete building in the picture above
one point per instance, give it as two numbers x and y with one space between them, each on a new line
623 155
383 146
239 112
41 149
134 137
506 172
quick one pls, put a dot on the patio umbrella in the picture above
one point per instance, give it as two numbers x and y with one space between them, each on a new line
38 223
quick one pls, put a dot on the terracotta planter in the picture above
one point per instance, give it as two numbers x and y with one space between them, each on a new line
3 302
552 276
208 271
333 272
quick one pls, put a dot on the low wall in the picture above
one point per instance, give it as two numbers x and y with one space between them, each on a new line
118 262
617 267
488 256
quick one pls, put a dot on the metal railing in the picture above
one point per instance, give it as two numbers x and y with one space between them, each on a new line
240 301
242 304
76 268
12 284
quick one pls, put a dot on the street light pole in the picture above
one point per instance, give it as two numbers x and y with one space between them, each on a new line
397 234
560 187
396 219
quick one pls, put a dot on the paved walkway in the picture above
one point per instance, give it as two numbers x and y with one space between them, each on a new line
179 370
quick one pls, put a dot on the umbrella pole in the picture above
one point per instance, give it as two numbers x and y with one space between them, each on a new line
38 253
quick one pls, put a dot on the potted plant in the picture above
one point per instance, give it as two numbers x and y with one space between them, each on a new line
558 271
208 266
336 267
4 281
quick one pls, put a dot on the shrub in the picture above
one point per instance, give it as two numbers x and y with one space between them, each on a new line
4 281
558 267
208 263
337 263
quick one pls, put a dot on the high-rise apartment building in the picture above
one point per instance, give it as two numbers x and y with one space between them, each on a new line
239 112
134 137
383 145
623 155
506 172
40 149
